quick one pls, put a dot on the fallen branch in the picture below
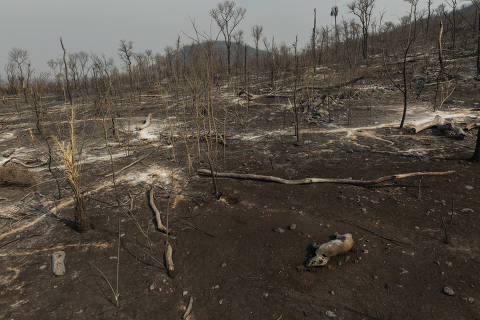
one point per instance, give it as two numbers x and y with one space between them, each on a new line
169 261
361 183
158 219
188 311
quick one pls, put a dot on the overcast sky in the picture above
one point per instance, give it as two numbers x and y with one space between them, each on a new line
98 25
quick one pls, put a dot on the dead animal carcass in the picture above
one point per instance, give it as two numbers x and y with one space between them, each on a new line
341 243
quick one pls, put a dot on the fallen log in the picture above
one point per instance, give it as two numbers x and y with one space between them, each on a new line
360 183
425 125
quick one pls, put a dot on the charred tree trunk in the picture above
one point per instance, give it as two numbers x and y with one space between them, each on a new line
476 154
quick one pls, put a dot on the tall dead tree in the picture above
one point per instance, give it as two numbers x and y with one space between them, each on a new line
476 4
476 154
406 77
314 41
125 51
334 13
67 81
257 34
228 16
18 59
363 9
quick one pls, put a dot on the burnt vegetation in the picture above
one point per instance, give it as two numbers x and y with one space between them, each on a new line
186 161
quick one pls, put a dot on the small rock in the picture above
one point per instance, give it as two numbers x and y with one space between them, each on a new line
184 293
467 210
216 287
42 267
449 263
375 277
330 314
332 292
470 300
279 230
448 291
224 265
58 263
265 295
363 210
152 287
293 226
469 188
220 301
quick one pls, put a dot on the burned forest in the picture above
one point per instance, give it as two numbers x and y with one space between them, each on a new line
239 175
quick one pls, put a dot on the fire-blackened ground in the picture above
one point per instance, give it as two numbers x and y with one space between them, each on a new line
413 237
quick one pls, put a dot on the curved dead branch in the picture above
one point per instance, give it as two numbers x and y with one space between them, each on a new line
158 219
361 183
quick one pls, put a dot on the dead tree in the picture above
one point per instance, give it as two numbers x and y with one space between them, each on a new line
363 10
67 81
314 41
228 16
125 51
476 154
334 13
18 59
476 4
257 34
406 79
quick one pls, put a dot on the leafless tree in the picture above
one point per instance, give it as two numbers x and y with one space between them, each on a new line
19 58
334 13
257 34
476 4
228 16
453 22
125 51
363 9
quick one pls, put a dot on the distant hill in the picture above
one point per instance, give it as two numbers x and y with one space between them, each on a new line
220 48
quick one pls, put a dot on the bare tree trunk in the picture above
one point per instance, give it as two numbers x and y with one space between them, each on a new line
67 81
478 48
476 154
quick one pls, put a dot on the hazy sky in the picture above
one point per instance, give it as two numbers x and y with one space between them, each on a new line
98 25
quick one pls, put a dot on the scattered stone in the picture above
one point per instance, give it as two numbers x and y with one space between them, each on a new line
224 265
279 230
467 210
330 314
265 295
470 300
363 210
470 188
220 301
184 293
332 292
216 287
152 287
43 267
448 291
292 227
58 263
